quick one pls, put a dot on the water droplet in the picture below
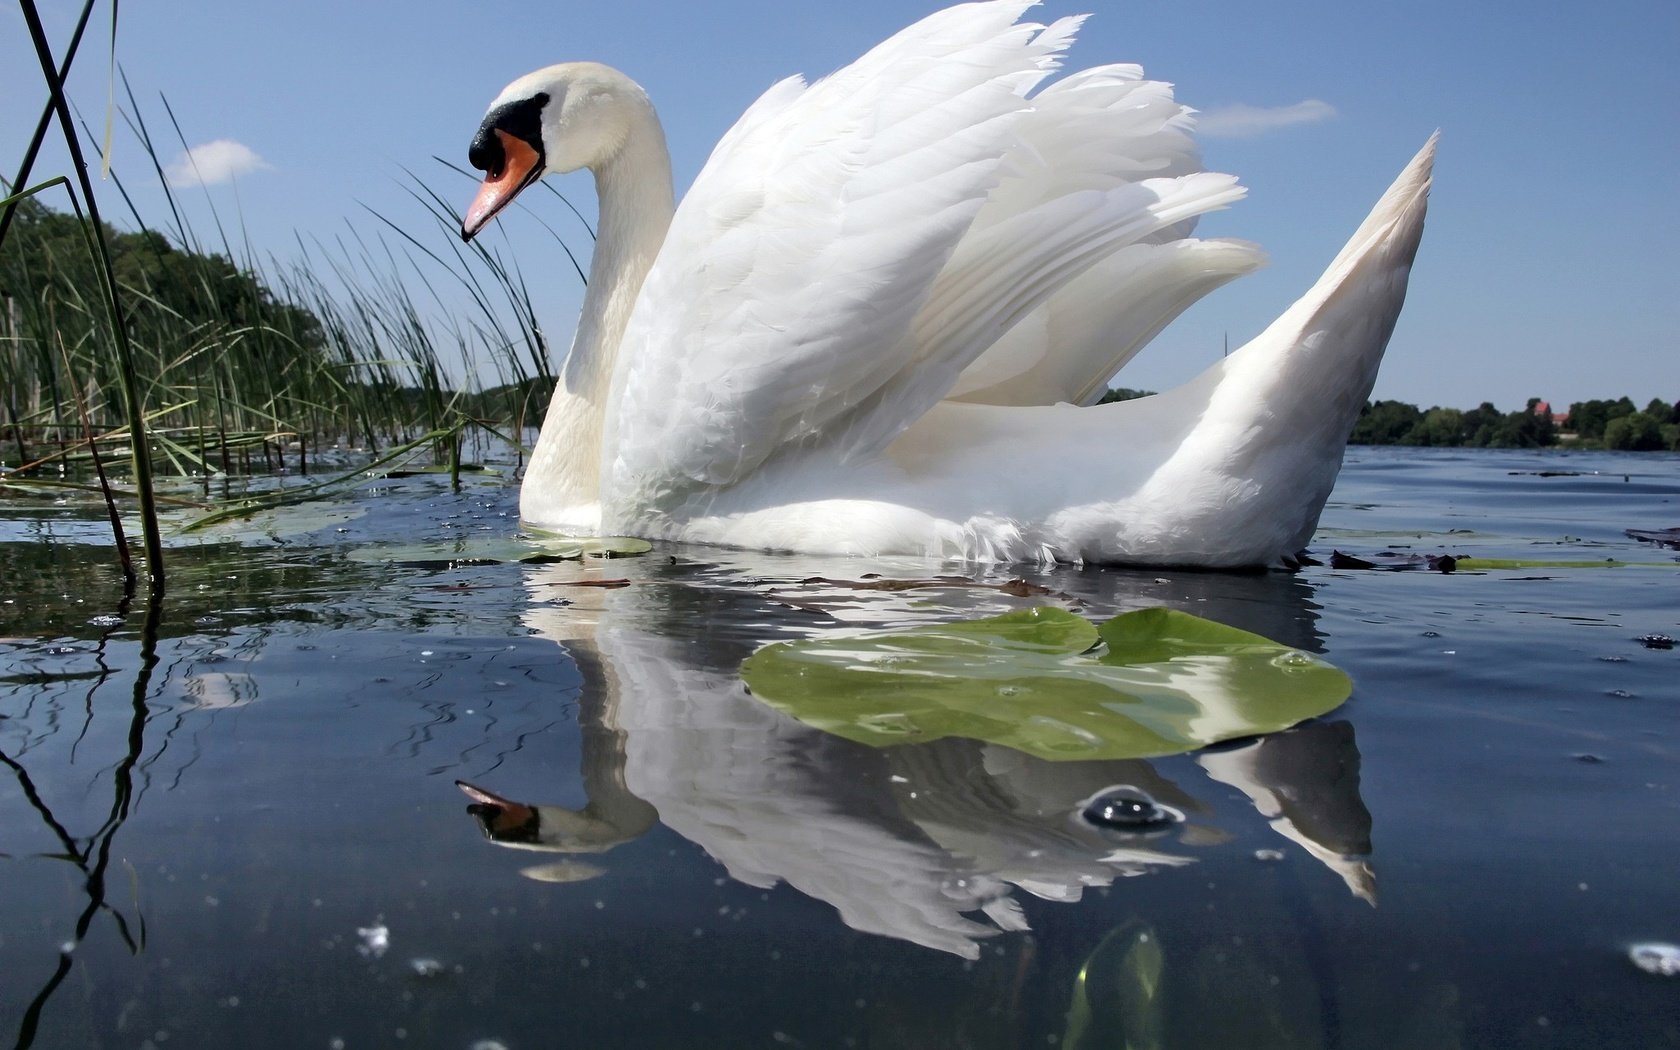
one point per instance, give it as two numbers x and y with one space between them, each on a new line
375 940
1127 808
1656 957
426 967
1294 658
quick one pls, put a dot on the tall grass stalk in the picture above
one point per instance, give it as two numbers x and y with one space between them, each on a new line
141 459
8 208
121 537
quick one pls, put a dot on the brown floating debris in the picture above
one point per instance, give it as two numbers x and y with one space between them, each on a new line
1394 562
1661 537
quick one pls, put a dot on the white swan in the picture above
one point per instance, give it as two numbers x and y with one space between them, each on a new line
869 324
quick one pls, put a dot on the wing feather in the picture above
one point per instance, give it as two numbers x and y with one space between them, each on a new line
1001 274
796 264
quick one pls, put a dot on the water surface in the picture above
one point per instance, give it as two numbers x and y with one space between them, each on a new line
232 821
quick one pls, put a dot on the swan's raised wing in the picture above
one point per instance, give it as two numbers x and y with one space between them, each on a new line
785 291
1099 129
1002 276
1069 348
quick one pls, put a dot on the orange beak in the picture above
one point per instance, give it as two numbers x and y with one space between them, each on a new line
521 167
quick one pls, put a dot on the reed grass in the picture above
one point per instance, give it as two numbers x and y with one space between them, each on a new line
117 328
228 363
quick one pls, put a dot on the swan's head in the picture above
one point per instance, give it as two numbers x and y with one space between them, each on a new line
558 119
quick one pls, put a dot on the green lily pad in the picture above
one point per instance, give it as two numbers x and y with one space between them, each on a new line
260 527
472 550
1475 564
1162 683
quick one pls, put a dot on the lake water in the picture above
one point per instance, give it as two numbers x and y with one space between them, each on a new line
245 831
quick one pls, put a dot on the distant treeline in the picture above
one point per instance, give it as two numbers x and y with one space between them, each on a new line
1617 424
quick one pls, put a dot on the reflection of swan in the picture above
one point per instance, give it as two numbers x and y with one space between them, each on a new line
855 334
1306 781
906 842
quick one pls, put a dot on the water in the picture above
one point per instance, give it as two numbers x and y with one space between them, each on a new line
246 832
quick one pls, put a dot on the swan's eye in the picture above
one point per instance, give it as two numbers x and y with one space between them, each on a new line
521 119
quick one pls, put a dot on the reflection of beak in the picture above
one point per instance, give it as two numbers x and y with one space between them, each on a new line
521 165
501 819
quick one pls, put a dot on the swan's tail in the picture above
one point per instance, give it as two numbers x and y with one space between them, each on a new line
1280 409
1318 361
1253 445
1399 214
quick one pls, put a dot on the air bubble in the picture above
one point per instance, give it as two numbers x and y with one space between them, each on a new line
1127 808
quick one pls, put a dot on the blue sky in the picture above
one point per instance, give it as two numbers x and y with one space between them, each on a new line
1551 265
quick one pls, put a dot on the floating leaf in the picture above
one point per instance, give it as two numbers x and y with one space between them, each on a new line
1164 682
276 523
1469 564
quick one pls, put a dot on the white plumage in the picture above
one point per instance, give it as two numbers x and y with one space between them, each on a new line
868 324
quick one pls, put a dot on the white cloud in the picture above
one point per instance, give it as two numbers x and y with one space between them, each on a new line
1243 122
213 162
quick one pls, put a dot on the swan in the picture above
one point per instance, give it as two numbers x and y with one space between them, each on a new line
878 320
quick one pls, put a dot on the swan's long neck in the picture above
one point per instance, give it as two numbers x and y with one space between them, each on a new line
562 484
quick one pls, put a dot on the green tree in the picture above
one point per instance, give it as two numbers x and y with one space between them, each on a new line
1384 423
1637 432
1124 393
1440 427
1589 418
1524 429
1481 425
